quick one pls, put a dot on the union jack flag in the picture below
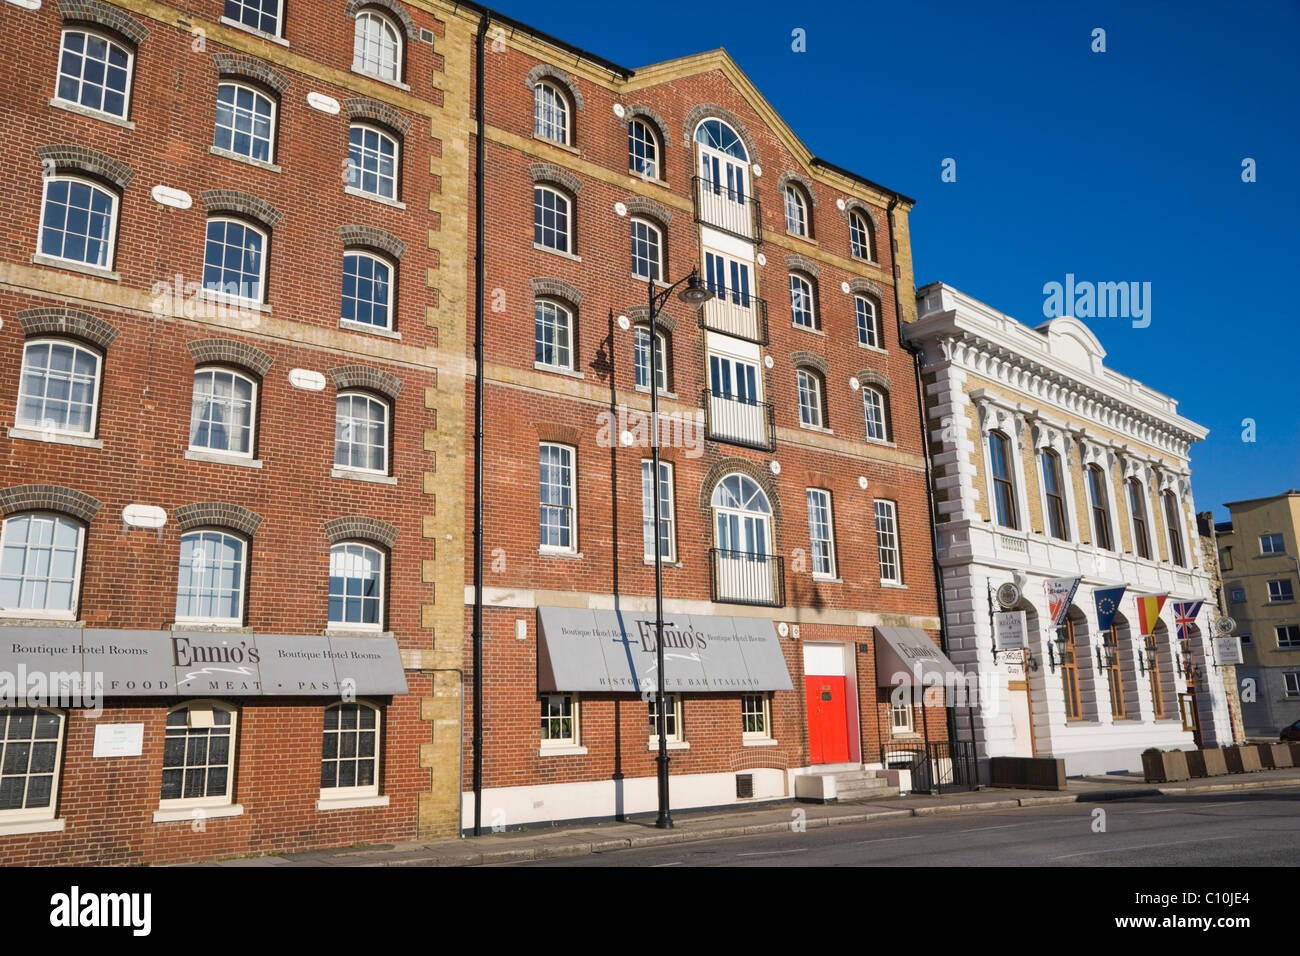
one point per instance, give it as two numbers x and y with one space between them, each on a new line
1185 616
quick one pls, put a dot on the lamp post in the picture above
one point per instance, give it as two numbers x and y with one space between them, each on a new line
695 293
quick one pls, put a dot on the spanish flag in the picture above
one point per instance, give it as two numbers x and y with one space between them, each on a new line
1149 606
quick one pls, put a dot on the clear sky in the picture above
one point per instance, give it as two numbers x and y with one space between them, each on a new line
1117 166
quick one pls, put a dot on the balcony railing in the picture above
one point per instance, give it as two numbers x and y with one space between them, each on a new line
742 577
739 421
734 314
727 209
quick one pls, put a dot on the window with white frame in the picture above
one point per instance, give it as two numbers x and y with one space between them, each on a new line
222 412
756 716
647 250
727 278
356 597
367 290
1004 487
552 222
349 764
551 113
867 311
260 15
1288 636
796 211
821 533
234 260
78 221
641 358
1100 503
361 432
1280 590
1271 544
552 335
808 387
900 717
667 526
377 46
31 752
94 72
642 149
672 718
1054 492
372 161
891 567
198 754
802 302
40 565
861 239
555 488
245 123
58 389
873 406
1290 686
1177 554
559 720
210 585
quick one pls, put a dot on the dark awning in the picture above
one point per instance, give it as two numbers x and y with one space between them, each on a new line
585 650
903 653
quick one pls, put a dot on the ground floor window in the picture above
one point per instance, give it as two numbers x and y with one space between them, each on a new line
350 751
1291 682
1153 674
198 754
30 751
559 720
901 717
673 721
1110 657
756 716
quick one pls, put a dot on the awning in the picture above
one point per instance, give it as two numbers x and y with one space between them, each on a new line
585 650
905 653
182 663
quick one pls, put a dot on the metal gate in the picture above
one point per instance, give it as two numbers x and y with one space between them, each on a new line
942 766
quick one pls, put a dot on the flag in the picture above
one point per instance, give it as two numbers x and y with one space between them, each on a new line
1060 592
1149 606
1185 616
1107 605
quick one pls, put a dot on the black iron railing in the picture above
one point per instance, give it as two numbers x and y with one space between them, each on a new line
936 767
739 421
736 314
728 209
743 577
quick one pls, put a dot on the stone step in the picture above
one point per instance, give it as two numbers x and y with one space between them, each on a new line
876 793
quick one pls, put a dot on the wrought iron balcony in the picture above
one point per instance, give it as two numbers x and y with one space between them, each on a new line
742 577
727 209
739 421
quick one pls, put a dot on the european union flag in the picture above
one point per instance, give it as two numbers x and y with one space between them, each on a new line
1108 606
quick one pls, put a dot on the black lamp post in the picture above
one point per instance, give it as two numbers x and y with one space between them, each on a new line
695 293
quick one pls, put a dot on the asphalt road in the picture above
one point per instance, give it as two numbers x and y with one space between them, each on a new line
1247 828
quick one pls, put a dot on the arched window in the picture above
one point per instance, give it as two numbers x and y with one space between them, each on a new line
715 134
552 335
551 113
367 289
1054 491
874 406
808 385
1138 509
58 390
802 302
361 433
867 311
350 751
234 260
356 586
210 585
1070 669
372 162
862 243
642 149
198 756
641 355
1100 504
78 221
31 756
796 211
377 46
647 250
1176 552
552 222
1004 487
745 571
223 412
94 72
40 565
245 123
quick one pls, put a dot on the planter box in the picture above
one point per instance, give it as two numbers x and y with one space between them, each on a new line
1206 763
1028 773
1244 759
1159 766
1275 756
1295 753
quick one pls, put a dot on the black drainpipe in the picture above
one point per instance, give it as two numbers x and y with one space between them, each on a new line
478 424
930 491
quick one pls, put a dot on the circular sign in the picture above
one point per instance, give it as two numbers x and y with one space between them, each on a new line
854 383
767 361
762 259
619 209
783 629
845 287
758 171
619 111
624 322
1008 594
775 466
1225 625
862 482
839 204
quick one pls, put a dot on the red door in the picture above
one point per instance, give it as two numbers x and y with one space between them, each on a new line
828 720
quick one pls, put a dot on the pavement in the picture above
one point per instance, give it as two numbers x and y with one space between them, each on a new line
557 842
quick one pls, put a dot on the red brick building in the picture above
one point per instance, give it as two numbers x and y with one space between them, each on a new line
221 304
793 480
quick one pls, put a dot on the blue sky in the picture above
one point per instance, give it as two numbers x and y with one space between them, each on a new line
1117 166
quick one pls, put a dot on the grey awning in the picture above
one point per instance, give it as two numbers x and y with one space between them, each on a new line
904 653
585 650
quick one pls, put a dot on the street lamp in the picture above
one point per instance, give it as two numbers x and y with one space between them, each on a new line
695 293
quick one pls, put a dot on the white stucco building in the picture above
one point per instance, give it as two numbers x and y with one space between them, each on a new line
1050 465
